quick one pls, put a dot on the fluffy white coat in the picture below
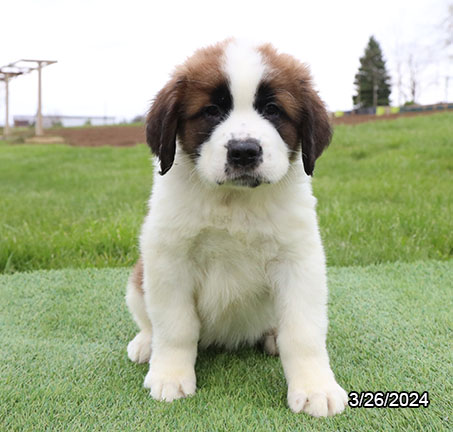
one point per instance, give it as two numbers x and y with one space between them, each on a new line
225 265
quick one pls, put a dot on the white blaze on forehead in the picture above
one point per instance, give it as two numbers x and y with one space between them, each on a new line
245 68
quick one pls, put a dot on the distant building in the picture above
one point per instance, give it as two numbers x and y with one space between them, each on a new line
49 121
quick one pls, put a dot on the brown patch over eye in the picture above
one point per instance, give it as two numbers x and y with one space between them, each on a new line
196 128
272 108
306 127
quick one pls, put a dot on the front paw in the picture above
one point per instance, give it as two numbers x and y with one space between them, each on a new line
170 385
319 401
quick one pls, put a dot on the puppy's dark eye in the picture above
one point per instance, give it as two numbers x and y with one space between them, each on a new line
271 109
212 111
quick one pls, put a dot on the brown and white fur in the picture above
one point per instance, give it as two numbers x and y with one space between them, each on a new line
230 249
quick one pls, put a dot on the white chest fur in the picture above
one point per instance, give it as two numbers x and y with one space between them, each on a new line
226 240
232 291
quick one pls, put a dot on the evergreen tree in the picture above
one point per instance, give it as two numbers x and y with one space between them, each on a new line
372 81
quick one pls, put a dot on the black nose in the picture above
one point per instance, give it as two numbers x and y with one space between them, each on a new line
244 153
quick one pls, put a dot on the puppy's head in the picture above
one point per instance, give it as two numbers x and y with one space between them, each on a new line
243 114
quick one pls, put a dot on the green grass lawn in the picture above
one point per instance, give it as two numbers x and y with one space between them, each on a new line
67 206
384 194
385 207
385 191
64 366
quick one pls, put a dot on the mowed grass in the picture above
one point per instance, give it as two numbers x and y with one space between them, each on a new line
65 206
384 194
63 362
385 191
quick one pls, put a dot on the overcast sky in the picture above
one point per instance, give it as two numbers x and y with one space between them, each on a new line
113 56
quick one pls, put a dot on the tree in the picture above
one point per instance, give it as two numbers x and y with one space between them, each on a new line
372 81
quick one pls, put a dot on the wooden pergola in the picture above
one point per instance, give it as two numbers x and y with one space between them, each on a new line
15 69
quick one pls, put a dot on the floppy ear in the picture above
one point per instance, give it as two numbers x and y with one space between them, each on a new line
315 129
162 124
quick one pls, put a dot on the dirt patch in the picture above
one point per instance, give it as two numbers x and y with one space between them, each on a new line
125 136
121 136
362 118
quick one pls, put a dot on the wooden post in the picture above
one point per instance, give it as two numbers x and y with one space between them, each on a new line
6 73
6 130
38 126
375 92
447 78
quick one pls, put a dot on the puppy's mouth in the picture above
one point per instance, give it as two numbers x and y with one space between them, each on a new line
242 179
246 180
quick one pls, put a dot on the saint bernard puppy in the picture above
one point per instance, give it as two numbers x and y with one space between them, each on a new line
230 251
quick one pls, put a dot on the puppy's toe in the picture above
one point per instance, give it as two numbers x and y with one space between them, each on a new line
297 400
139 348
317 405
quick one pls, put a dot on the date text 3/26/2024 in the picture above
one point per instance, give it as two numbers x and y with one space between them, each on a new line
390 399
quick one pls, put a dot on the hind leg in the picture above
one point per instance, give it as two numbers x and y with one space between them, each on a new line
139 348
268 342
